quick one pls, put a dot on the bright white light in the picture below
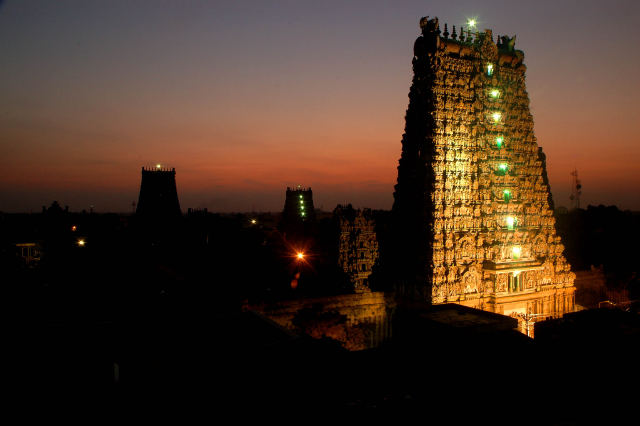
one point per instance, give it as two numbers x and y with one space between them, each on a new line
471 23
81 243
158 166
510 222
516 252
496 116
300 255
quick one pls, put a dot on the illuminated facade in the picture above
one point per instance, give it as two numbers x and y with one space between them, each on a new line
472 201
358 244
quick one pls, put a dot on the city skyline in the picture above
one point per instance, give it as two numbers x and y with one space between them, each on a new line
247 99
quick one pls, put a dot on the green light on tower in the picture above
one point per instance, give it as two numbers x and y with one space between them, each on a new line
489 69
511 223
503 167
506 195
499 141
495 93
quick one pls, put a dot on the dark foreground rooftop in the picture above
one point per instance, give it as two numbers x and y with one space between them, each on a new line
446 363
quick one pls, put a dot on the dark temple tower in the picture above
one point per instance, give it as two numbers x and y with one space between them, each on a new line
298 205
409 261
158 194
298 216
472 219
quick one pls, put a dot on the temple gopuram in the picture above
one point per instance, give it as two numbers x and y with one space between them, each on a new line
472 205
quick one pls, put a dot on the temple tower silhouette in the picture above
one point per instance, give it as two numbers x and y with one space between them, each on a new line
472 214
298 215
158 194
298 205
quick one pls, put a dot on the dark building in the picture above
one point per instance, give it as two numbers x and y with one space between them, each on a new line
357 244
298 205
158 194
298 217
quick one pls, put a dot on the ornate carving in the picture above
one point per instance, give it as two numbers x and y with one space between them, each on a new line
461 108
358 244
488 49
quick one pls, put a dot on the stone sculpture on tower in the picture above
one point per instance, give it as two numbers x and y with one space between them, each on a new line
472 213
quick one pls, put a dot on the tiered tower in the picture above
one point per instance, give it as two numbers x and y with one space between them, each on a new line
472 206
158 194
298 205
358 244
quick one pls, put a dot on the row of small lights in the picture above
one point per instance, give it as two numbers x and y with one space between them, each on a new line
302 213
502 167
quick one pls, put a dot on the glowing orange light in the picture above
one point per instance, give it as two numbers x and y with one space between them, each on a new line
253 221
81 243
300 255
74 228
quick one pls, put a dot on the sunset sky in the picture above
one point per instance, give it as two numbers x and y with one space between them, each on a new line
245 98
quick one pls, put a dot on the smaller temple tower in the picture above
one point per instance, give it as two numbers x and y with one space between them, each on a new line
358 244
298 216
158 194
298 206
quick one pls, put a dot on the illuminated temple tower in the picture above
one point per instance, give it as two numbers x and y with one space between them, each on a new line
472 207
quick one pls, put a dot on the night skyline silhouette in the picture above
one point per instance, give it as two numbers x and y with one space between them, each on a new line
244 99
299 207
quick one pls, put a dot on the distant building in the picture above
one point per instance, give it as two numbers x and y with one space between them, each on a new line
358 244
299 216
158 193
298 205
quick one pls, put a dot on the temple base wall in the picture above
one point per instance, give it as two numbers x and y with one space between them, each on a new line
528 306
357 321
363 320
